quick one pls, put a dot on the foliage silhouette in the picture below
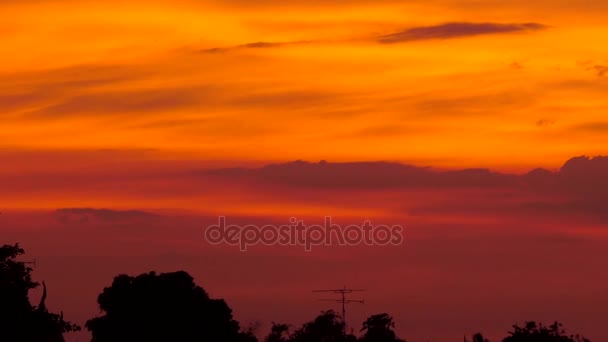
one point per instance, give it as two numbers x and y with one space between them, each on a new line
477 338
20 321
163 307
379 328
327 327
278 333
532 332
249 335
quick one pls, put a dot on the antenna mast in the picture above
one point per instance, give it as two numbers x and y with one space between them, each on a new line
342 300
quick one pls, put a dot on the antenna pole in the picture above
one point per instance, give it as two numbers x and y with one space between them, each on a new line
344 309
343 300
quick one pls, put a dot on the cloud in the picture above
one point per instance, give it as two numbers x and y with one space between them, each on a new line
35 89
87 92
456 30
601 70
598 127
383 131
17 101
82 215
286 99
146 180
255 45
578 188
442 31
258 45
144 101
516 66
128 101
363 175
83 75
545 122
474 105
572 174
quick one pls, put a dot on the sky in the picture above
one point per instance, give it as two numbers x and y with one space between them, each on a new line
442 82
462 120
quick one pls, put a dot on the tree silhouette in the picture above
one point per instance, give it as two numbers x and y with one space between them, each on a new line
20 321
278 333
533 332
249 335
379 328
327 327
477 338
164 307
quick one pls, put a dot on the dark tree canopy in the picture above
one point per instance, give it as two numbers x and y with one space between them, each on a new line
278 333
20 321
327 327
162 307
532 332
477 338
379 328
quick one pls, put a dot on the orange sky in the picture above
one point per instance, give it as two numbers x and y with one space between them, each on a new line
516 85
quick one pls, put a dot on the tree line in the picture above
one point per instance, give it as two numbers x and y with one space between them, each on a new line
169 307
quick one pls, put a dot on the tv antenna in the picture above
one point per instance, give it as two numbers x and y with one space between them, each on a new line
342 300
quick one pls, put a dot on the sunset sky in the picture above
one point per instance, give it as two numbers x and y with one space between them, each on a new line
168 113
510 84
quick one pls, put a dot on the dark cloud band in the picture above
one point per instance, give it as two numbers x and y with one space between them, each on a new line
456 30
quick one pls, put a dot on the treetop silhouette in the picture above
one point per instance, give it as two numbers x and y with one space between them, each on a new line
533 332
162 307
20 321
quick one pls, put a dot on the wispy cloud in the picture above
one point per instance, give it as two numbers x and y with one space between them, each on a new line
255 45
456 30
119 103
544 122
601 70
599 127
105 215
